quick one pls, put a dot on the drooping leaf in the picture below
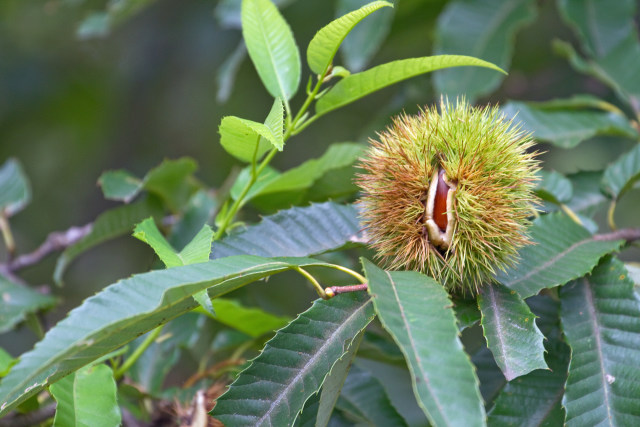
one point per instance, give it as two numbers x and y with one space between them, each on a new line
110 224
601 320
554 187
324 45
123 311
294 364
417 312
333 383
18 301
568 128
15 192
249 320
365 397
120 185
483 30
620 176
87 397
297 231
361 84
272 48
364 41
561 251
511 332
245 139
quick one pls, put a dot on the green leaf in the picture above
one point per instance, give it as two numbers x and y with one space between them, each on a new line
125 310
15 192
110 224
554 187
294 364
587 197
365 397
200 209
361 84
561 251
6 362
18 301
364 41
297 231
334 382
272 48
510 330
226 75
148 232
249 320
324 45
601 321
247 140
620 176
467 313
380 346
120 185
100 24
484 30
491 378
87 398
416 311
568 128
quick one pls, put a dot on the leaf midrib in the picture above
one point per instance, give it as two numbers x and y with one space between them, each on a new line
494 305
271 56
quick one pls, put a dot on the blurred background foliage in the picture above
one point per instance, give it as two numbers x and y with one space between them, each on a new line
87 86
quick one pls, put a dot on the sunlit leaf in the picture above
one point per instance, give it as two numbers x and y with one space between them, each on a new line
294 364
601 320
620 176
324 45
15 192
271 46
18 301
511 332
483 30
361 84
416 311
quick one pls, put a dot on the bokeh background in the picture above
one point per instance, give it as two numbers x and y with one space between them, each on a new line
87 86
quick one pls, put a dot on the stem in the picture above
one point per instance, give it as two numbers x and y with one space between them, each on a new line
627 234
137 353
6 234
335 290
350 272
313 281
566 209
610 215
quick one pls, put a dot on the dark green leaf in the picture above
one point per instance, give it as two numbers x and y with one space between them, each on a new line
623 173
15 191
491 378
272 48
297 231
561 251
226 75
172 182
587 197
87 397
417 312
511 332
120 185
380 346
110 224
601 320
294 364
18 301
125 310
484 30
361 84
100 24
554 187
249 320
467 313
568 128
325 43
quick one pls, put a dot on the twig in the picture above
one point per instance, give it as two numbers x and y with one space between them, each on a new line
335 290
31 418
56 241
628 234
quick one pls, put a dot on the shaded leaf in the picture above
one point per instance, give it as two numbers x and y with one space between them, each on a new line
297 231
361 84
324 45
467 313
247 140
294 364
15 192
120 185
380 346
271 46
249 320
101 24
87 397
226 75
483 30
601 321
554 187
491 378
110 224
125 310
568 128
18 301
416 311
561 251
620 176
511 332
587 197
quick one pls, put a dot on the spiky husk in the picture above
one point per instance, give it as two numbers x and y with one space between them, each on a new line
489 158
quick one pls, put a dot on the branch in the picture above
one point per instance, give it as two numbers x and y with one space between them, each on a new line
628 234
